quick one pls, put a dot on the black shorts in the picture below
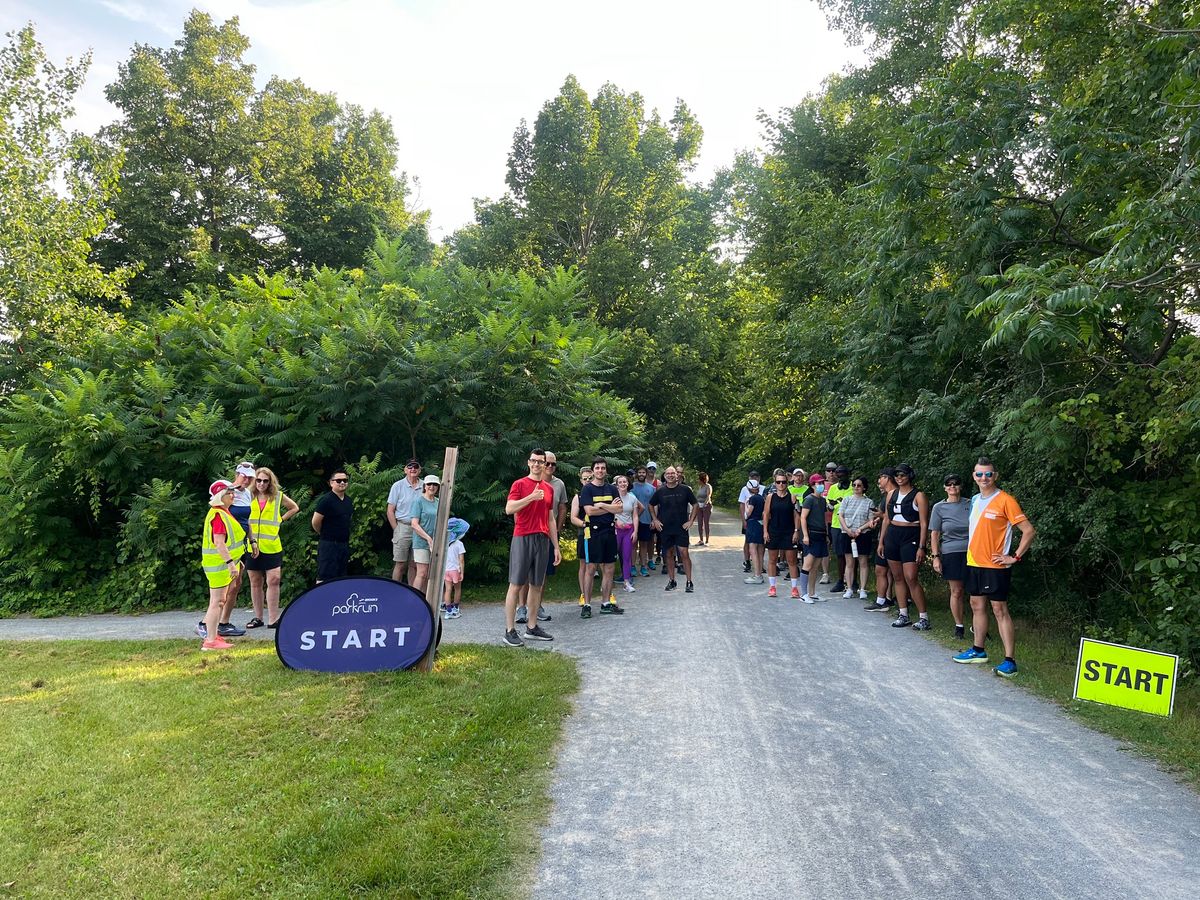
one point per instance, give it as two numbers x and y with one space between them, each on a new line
332 559
863 541
674 539
817 547
954 566
527 557
645 532
781 541
264 562
601 548
900 544
991 584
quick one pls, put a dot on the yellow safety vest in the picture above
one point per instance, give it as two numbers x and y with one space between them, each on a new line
215 568
264 524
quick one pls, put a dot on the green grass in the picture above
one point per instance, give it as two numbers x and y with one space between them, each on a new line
146 769
1047 659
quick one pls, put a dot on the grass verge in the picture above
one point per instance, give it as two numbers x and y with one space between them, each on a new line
145 769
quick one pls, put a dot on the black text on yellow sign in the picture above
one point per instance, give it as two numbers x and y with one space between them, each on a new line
1117 675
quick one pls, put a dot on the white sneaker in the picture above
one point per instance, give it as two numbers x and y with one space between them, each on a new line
753 579
862 595
807 599
849 595
819 599
824 580
629 588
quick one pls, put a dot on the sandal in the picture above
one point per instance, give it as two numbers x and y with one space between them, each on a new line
255 623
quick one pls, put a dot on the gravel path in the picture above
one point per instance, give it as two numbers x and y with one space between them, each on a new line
727 745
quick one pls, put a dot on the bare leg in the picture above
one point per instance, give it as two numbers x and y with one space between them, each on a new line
510 607
913 584
257 593
862 573
1004 624
793 568
274 577
687 562
533 599
896 573
216 599
231 595
589 579
979 619
956 602
756 555
606 582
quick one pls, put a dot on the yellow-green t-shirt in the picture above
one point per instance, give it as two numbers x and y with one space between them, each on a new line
836 492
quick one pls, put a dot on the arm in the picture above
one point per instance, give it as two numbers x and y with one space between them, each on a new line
654 523
562 515
767 518
935 541
923 516
1027 532
391 515
803 529
317 519
552 522
291 507
513 506
883 526
576 519
219 540
416 526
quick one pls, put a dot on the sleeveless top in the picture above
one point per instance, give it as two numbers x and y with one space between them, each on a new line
905 506
782 519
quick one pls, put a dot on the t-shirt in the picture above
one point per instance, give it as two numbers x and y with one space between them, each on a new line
335 525
953 523
241 507
560 494
218 526
643 492
672 503
854 512
402 496
837 492
992 520
629 504
816 507
754 508
534 518
454 554
744 494
425 512
593 494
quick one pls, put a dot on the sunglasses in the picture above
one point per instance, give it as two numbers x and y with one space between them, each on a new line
262 480
339 480
781 481
985 474
953 484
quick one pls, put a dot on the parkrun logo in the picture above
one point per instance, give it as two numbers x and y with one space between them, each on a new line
355 625
354 604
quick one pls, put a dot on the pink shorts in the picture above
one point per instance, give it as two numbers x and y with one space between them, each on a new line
453 576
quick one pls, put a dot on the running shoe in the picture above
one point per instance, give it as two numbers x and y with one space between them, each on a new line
817 598
901 622
971 655
752 579
746 566
653 565
848 595
671 585
454 612
513 639
771 592
689 588
824 579
808 598
202 630
543 616
216 644
611 609
522 615
958 631
446 614
839 587
880 607
862 595
228 629
629 588
585 611
536 634
1006 669
645 572
921 625
795 593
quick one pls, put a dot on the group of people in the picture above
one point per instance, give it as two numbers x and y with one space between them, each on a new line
803 522
634 519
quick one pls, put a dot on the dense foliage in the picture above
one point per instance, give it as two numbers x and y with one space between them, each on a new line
983 240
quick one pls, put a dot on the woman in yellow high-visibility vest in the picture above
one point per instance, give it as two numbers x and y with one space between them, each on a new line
223 543
269 508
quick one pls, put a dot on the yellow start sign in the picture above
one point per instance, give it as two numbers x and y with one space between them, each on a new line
1126 676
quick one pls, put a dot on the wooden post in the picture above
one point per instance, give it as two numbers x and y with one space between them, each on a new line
437 554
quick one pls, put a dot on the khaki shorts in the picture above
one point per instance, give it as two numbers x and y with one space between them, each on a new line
421 556
402 542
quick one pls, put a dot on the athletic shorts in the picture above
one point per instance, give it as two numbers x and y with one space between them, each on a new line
674 539
817 547
781 542
601 548
402 542
645 532
863 541
754 533
835 542
527 555
954 566
332 559
992 584
264 562
900 544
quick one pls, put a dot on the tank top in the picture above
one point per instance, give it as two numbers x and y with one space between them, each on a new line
782 520
903 510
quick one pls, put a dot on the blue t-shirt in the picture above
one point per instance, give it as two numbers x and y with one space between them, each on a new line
643 491
424 511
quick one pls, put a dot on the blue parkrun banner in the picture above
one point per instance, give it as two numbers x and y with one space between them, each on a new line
355 625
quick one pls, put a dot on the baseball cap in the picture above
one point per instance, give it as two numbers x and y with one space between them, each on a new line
652 465
798 471
246 468
842 470
905 469
830 465
752 484
219 487
432 479
815 478
413 462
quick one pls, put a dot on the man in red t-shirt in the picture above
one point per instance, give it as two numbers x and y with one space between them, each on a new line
534 543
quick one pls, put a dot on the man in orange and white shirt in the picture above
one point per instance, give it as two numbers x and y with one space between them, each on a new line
994 514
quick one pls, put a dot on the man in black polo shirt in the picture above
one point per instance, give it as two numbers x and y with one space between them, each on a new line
331 522
599 502
672 511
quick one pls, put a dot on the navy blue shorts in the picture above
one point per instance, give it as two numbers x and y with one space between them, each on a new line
817 547
754 533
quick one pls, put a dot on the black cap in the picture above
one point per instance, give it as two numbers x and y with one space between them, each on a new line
888 471
905 469
842 470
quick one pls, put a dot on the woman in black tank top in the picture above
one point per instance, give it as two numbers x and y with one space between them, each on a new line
781 523
905 527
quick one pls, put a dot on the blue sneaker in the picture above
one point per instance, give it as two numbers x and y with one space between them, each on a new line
653 565
1006 669
522 615
645 572
971 655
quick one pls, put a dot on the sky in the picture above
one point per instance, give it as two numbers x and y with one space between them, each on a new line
457 76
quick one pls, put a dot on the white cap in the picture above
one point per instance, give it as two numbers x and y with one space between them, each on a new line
246 469
652 465
752 484
432 479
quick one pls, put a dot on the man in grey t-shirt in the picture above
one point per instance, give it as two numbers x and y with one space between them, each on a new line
401 497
